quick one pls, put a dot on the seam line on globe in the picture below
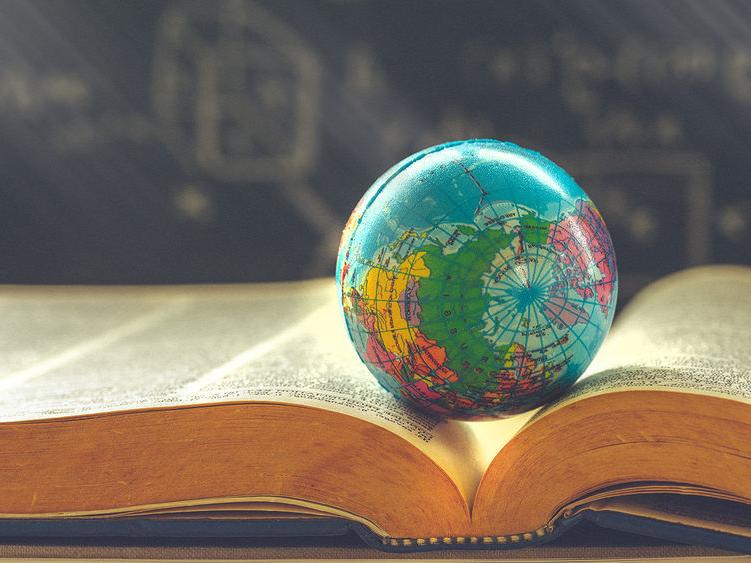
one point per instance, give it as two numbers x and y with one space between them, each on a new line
423 154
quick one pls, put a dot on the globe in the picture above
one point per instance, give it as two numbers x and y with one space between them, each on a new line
477 279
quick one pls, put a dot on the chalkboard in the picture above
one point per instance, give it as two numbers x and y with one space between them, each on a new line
158 142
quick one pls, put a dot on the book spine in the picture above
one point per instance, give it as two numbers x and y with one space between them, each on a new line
486 542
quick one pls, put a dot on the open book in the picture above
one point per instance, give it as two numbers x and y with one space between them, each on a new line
246 407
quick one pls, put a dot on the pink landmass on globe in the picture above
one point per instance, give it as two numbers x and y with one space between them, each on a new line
409 303
574 236
558 309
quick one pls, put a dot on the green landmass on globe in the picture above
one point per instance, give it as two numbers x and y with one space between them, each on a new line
477 279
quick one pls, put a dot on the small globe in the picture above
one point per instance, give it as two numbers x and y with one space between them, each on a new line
477 279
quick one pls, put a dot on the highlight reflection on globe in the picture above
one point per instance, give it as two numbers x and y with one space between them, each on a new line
477 279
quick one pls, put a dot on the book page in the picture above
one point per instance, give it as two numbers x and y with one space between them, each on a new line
74 351
690 332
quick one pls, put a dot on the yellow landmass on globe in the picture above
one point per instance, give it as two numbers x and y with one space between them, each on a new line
384 292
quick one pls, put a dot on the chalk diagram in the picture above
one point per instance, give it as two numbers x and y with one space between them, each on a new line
236 94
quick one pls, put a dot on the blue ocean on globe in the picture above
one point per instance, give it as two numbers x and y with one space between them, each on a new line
477 279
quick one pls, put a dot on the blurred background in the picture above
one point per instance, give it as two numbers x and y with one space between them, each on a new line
227 141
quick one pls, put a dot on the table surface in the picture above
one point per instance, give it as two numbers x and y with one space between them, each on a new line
585 542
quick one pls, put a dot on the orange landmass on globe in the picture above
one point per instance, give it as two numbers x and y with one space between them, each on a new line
388 310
